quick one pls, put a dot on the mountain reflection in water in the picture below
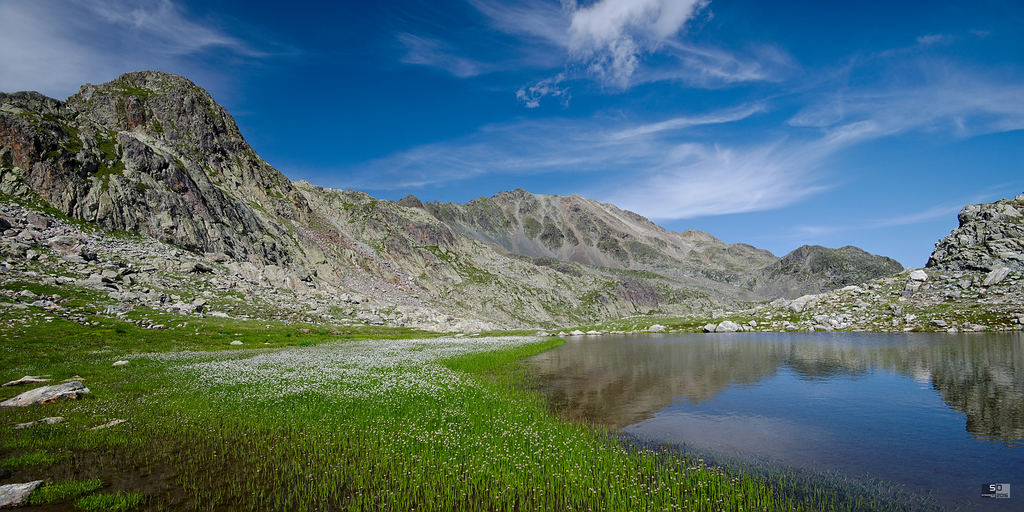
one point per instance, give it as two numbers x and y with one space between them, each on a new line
937 415
617 381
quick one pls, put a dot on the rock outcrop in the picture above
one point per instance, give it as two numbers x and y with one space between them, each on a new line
990 236
152 153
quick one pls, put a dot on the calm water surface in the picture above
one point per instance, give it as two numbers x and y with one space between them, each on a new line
937 414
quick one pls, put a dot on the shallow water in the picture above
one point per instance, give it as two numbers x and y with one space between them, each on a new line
935 414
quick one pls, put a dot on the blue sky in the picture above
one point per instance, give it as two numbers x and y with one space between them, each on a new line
776 124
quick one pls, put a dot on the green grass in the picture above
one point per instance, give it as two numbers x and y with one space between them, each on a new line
368 420
34 459
60 492
119 502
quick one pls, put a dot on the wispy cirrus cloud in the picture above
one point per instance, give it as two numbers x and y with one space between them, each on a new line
671 174
939 97
57 45
665 169
165 27
697 180
434 52
677 123
946 210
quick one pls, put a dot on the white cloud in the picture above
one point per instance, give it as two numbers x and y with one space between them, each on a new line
609 37
710 67
614 43
57 45
164 27
943 212
531 96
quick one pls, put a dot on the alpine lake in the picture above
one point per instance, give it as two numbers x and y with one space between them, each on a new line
924 418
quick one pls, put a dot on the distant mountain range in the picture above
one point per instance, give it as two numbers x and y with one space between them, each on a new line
152 153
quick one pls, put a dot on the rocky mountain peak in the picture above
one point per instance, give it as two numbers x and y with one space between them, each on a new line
990 236
151 153
815 269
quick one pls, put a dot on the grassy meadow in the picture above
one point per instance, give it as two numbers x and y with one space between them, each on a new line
304 417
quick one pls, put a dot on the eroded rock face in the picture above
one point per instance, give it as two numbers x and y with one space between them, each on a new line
152 153
990 236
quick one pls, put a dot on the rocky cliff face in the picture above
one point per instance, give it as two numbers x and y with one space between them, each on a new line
990 236
153 154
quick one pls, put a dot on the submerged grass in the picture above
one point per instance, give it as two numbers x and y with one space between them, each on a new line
63 491
337 421
34 459
119 502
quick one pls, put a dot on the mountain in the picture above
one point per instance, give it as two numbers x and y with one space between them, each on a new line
589 232
153 154
817 269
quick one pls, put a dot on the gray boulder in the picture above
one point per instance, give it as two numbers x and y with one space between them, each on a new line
727 326
16 495
996 276
797 305
47 394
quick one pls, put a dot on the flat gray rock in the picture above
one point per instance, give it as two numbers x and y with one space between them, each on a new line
996 276
47 394
45 421
16 495
26 380
108 424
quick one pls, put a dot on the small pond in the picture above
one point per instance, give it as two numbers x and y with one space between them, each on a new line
934 414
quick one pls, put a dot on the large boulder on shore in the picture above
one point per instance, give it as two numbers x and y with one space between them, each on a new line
16 495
